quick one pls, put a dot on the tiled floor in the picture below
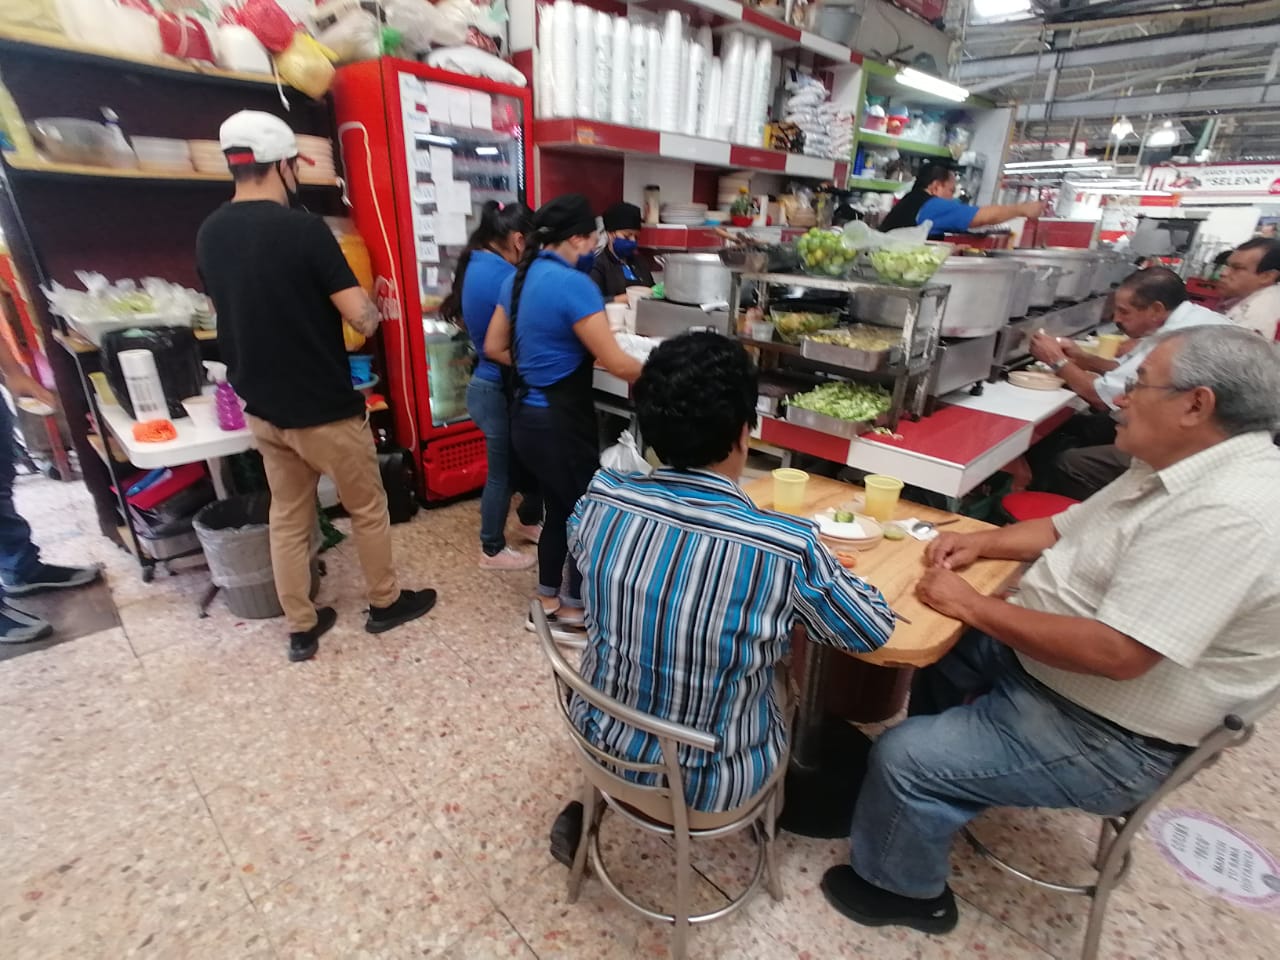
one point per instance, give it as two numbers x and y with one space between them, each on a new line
174 788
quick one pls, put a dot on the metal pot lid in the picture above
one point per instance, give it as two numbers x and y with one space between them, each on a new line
1045 253
976 265
695 259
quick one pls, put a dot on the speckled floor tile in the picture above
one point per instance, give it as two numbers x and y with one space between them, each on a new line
104 657
395 891
494 938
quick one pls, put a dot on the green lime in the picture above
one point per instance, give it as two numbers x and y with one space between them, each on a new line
894 532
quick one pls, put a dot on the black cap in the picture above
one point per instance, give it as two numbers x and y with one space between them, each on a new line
566 216
622 216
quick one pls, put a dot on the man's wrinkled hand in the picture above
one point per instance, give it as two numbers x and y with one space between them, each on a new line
952 551
1045 348
946 591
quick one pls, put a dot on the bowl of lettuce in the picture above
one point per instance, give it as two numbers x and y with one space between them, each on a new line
791 325
845 401
909 266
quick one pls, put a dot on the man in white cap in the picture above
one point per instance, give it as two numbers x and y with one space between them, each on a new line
282 288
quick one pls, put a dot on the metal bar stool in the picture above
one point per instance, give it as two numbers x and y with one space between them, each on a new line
1113 856
659 808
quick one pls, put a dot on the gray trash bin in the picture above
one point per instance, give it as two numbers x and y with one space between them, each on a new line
234 536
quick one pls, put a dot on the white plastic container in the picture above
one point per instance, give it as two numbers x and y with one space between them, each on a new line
143 383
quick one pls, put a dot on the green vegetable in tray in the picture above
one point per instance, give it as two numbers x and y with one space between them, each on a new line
845 401
825 253
909 266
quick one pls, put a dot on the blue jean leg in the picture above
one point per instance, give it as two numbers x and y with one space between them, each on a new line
487 405
19 558
1015 746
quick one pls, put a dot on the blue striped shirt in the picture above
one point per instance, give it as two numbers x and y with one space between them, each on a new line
691 592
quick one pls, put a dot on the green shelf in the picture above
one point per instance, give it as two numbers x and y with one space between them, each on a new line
867 138
869 183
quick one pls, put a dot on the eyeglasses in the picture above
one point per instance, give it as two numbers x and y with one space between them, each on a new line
1133 383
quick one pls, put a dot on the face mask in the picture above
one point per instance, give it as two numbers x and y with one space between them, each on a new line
624 248
586 261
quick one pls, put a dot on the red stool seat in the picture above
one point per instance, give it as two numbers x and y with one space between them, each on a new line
1031 505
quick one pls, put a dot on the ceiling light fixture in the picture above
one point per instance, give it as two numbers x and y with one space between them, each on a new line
1040 164
910 77
1121 128
1165 136
990 9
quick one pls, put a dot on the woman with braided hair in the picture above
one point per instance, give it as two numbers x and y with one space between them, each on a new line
492 251
549 327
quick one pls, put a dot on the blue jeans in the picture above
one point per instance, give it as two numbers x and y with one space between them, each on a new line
487 406
19 558
1017 745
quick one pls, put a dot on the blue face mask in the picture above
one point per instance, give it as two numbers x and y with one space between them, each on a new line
624 248
586 262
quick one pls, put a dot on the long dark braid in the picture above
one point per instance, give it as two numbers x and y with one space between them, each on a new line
497 222
532 247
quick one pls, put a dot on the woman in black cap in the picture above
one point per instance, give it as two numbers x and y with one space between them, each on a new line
550 327
619 267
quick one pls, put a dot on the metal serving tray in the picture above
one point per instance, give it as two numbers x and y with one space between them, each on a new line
850 358
833 425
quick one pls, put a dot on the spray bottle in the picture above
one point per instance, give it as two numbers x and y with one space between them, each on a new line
226 403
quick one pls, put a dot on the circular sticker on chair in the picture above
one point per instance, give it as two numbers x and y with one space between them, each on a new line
1218 857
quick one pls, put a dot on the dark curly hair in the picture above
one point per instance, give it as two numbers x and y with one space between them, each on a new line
695 395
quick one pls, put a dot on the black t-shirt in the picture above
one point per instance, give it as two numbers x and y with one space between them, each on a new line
270 272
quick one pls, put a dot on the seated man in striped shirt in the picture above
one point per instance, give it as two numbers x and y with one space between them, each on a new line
691 591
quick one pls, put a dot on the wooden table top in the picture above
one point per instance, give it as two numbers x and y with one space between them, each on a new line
895 566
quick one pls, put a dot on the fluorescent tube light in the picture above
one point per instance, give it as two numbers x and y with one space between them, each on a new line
910 77
1040 164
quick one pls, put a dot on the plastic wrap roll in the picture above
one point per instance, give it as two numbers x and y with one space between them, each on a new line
638 107
563 59
746 90
671 72
693 93
652 81
730 78
620 70
603 64
710 100
584 64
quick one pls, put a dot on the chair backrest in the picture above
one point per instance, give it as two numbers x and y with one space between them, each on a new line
669 735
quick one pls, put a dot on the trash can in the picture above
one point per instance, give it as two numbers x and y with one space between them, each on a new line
233 534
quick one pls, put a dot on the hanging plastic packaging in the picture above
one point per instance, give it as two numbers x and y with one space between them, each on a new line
306 66
268 22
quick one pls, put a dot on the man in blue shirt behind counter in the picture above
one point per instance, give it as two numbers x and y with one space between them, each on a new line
932 198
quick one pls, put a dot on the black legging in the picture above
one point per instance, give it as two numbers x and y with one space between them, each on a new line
564 463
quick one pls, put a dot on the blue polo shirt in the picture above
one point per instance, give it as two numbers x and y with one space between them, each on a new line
948 216
481 286
555 296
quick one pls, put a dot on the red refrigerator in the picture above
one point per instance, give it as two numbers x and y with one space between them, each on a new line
422 150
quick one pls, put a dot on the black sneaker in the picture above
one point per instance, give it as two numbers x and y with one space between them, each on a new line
566 833
411 605
871 906
48 576
19 627
305 644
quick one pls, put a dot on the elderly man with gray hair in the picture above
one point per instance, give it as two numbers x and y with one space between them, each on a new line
1151 610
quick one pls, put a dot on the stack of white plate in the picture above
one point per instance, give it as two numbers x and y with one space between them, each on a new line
162 155
684 214
207 156
320 151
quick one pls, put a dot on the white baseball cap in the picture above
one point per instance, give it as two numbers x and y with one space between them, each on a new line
252 136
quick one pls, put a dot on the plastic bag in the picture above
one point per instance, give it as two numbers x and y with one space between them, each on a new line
306 65
625 457
268 22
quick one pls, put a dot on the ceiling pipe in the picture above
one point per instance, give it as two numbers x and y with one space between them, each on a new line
1003 30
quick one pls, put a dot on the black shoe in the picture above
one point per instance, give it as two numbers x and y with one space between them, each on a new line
411 605
871 906
47 576
19 627
566 833
303 645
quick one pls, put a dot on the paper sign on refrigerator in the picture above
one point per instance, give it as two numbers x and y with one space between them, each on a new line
481 110
454 197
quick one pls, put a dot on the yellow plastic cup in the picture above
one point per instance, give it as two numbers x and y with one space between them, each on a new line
882 496
788 490
1109 344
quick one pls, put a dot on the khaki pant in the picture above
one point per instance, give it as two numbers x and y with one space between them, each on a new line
294 460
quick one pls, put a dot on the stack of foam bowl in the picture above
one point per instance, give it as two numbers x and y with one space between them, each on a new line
320 151
684 214
727 191
162 154
207 156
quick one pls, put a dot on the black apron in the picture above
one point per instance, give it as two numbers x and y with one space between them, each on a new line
905 211
613 276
